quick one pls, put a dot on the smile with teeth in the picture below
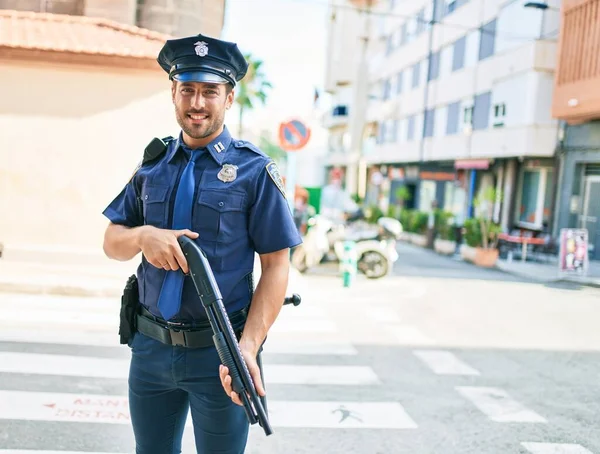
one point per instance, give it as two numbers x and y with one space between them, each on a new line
198 116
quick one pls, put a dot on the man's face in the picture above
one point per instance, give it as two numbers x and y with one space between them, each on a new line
200 107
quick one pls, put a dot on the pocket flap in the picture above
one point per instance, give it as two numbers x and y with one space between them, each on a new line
221 200
154 193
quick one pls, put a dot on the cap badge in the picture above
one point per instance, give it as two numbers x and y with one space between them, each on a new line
227 173
201 48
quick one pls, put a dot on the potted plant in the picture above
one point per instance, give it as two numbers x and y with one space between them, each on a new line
418 228
445 241
481 232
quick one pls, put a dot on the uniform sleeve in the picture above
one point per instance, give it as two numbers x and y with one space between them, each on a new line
271 224
123 209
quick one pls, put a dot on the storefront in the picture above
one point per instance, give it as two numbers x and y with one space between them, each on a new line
578 198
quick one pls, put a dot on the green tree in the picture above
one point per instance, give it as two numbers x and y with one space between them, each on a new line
272 150
251 89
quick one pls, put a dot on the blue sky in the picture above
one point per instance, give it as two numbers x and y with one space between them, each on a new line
290 36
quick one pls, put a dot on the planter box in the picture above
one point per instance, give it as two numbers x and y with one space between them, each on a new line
486 258
445 247
418 240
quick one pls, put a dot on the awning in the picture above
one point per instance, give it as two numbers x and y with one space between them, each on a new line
472 164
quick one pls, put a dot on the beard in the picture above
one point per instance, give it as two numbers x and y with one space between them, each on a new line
212 123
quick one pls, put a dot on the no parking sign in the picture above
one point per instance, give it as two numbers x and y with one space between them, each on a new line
293 135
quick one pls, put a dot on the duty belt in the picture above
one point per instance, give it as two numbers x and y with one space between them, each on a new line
182 334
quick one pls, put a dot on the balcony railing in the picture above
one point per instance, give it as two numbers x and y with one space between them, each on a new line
576 96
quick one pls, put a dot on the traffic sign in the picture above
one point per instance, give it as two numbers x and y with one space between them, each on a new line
293 135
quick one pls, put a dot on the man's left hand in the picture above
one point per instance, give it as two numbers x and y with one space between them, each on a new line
254 370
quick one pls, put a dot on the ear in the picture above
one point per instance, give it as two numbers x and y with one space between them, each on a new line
230 98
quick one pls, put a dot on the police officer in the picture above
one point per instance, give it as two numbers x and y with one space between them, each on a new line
228 196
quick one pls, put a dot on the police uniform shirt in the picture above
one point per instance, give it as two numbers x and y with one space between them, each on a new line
247 212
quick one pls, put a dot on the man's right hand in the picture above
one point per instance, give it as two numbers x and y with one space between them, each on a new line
161 249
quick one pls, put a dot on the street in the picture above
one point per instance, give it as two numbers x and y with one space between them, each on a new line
439 358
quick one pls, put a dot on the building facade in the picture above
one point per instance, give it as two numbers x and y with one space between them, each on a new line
171 17
459 99
576 102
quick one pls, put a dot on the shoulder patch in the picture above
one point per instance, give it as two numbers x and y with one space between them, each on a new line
273 172
138 167
249 146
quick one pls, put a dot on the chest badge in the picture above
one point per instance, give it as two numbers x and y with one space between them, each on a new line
228 173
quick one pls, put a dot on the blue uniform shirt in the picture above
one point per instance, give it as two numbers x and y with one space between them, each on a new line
233 219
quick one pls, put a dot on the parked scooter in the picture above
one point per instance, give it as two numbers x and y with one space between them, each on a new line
375 245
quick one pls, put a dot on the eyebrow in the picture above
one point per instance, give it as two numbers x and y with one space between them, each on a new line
206 85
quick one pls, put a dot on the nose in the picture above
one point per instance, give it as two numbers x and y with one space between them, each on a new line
198 100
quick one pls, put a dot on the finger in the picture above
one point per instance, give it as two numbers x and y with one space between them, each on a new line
172 263
235 398
180 258
186 232
255 373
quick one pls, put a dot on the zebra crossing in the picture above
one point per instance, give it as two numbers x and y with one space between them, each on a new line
61 373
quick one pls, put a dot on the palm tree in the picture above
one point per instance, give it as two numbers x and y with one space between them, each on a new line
251 88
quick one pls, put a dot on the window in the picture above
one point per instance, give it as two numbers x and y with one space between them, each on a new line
421 23
453 116
410 128
468 116
399 82
439 9
536 197
487 40
458 53
481 111
451 6
404 33
429 123
499 115
386 89
416 73
434 66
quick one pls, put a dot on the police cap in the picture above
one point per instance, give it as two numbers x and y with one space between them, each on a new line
201 58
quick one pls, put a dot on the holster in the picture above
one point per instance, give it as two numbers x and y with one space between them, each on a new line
129 307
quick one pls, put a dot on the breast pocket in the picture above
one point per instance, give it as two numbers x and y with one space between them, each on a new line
154 199
221 216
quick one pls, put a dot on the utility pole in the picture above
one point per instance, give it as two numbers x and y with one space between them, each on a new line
360 98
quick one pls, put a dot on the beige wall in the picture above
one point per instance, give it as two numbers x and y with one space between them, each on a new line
71 138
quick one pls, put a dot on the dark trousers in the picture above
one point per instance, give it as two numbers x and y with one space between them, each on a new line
165 383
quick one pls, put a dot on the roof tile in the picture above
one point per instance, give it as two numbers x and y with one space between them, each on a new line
77 34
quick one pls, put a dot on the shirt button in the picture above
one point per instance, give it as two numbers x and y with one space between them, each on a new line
221 204
146 197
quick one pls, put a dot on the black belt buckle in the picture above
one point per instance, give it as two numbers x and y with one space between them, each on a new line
177 338
177 334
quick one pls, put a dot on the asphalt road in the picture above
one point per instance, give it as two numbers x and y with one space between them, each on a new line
441 358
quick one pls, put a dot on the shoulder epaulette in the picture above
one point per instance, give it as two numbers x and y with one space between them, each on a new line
155 149
249 146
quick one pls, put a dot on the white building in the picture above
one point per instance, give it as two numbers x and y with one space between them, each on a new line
459 98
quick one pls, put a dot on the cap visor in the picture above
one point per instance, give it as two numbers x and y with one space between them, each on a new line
200 76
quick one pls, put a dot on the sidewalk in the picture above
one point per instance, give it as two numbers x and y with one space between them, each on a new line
548 272
101 280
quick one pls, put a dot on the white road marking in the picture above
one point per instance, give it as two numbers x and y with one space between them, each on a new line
340 415
303 325
382 315
304 347
45 335
444 363
555 448
81 366
498 405
320 375
89 408
37 451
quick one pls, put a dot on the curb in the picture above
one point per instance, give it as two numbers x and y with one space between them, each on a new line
581 281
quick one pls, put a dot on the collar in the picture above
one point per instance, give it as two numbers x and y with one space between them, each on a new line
217 147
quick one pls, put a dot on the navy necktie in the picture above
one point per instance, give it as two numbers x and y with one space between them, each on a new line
169 300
